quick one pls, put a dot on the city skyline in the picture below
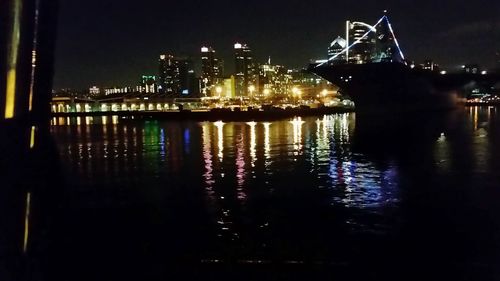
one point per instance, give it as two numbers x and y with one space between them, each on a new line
125 45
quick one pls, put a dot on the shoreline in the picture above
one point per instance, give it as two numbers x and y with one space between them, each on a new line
221 115
469 104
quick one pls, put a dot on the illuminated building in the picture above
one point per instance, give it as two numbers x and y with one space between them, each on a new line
176 76
94 91
211 69
148 84
226 88
361 52
273 79
336 48
168 75
365 43
118 90
309 83
430 66
188 83
244 69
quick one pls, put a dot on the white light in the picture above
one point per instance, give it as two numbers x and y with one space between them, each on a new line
237 46
372 29
443 72
204 50
484 72
162 57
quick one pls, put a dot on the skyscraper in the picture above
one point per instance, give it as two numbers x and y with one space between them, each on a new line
168 76
211 69
188 84
176 76
335 50
245 72
363 40
273 79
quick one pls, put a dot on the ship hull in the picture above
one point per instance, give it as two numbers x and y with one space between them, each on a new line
390 87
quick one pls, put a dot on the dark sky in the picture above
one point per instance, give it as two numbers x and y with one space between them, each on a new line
108 43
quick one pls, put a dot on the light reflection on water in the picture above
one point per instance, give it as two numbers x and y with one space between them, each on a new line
263 182
315 152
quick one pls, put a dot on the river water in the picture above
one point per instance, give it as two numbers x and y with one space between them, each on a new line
335 197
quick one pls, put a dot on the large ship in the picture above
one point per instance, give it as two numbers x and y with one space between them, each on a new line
369 67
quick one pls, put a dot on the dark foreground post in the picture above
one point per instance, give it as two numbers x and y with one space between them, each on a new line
27 161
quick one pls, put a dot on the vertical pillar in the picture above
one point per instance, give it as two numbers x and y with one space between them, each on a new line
27 29
347 28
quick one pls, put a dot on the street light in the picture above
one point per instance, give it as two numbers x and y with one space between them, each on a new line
218 90
251 89
295 93
267 92
324 92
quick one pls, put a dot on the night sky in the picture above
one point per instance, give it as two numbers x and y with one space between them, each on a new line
111 43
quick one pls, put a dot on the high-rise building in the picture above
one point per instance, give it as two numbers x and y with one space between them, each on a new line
245 70
370 43
176 76
168 75
212 69
188 83
335 50
362 40
273 79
